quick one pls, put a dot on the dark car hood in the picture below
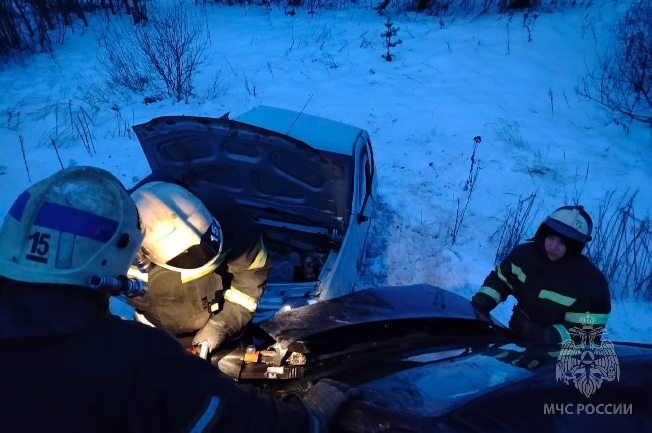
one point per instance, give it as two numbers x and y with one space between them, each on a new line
419 301
258 167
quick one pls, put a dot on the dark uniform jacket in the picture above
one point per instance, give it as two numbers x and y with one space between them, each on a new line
557 295
69 366
231 292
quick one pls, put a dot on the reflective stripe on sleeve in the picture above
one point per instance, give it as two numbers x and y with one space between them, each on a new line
261 258
207 416
502 277
491 292
566 301
587 318
519 273
237 297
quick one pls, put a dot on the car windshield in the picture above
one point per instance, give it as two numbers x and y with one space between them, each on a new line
438 384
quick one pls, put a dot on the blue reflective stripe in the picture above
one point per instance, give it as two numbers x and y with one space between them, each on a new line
208 415
491 292
18 207
78 222
566 301
563 332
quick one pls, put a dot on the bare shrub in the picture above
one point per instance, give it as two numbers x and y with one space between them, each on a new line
469 187
121 59
163 54
622 84
33 25
509 132
516 222
622 246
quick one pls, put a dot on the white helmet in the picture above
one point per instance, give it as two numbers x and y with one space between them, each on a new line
68 227
180 232
572 222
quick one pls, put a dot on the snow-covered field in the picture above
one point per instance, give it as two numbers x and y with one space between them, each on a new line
447 84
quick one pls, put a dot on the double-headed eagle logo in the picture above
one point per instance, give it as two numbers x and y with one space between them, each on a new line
587 358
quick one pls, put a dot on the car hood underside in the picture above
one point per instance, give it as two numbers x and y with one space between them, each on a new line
261 169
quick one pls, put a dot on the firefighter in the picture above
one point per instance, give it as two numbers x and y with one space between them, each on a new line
556 287
206 269
68 364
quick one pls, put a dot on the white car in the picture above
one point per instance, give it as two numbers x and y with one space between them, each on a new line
309 182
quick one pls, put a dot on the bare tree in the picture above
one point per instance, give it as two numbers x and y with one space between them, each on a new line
168 47
623 82
173 43
121 59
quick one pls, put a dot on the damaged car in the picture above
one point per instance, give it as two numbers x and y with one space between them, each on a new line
425 361
308 182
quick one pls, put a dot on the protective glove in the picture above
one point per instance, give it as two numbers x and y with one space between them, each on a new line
325 399
529 331
213 333
482 303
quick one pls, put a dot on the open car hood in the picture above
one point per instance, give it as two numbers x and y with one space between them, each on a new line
258 167
419 301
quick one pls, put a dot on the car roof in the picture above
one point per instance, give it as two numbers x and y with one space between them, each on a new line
318 132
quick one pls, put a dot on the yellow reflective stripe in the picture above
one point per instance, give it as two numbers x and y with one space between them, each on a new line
566 301
563 332
261 258
518 272
554 354
502 277
501 355
491 292
193 274
587 318
237 297
207 416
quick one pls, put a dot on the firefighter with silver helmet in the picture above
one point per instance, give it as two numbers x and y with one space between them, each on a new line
556 287
68 363
206 269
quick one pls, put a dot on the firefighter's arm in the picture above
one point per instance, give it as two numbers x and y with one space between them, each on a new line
250 271
593 310
172 390
497 286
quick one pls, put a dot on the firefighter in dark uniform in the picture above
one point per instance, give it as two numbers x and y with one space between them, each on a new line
68 365
556 287
205 261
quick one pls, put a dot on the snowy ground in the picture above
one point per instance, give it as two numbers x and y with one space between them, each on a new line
447 84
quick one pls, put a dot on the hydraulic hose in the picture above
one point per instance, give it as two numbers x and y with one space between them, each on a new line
118 285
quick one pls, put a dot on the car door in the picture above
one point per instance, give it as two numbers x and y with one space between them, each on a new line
365 188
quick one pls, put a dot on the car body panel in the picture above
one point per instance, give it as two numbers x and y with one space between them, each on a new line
419 301
322 134
449 379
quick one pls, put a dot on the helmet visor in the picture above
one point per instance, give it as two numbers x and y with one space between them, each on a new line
205 251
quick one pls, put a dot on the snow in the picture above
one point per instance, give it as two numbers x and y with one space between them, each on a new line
445 86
